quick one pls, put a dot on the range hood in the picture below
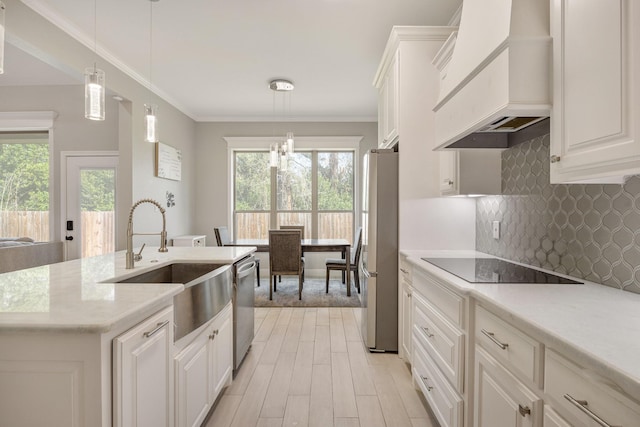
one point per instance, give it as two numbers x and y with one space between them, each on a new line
495 75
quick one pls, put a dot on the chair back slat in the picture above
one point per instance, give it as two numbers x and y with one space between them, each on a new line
358 247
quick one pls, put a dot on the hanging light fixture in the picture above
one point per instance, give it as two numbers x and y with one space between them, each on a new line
93 79
150 110
280 151
1 37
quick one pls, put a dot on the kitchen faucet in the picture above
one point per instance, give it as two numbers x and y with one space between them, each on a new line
130 256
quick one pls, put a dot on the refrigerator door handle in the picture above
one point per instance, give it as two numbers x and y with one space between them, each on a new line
368 273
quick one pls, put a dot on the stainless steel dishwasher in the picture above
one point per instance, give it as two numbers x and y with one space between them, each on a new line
244 276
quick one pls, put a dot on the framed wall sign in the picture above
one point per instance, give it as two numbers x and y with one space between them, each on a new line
168 162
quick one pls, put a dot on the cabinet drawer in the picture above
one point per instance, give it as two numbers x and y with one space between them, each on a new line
443 341
449 303
579 397
446 404
513 347
552 419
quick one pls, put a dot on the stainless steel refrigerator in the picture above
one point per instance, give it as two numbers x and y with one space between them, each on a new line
379 265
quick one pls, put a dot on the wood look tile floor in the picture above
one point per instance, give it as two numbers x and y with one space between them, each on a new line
309 367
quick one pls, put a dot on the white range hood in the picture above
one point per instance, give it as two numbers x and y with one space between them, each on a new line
495 73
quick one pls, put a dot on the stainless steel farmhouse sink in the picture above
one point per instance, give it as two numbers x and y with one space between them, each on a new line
208 288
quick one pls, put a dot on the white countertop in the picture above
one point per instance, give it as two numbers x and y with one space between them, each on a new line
81 296
596 325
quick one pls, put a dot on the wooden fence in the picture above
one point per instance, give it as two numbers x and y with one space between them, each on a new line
255 225
98 229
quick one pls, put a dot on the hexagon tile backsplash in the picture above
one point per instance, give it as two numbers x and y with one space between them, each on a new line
589 231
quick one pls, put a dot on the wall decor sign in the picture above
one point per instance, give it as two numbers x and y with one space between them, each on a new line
168 162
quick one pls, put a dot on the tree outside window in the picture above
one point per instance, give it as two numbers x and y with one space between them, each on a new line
316 190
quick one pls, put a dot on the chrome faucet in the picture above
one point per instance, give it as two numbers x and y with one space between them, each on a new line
130 256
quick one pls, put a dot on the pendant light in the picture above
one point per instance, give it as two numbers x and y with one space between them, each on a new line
94 82
150 110
280 151
1 37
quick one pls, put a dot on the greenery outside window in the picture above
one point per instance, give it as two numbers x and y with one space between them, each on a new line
24 185
316 190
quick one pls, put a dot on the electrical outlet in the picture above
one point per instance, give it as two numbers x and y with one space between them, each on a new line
496 230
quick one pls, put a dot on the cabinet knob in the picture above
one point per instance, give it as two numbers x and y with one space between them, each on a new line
555 159
448 181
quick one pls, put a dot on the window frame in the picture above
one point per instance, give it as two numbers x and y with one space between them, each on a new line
303 144
36 121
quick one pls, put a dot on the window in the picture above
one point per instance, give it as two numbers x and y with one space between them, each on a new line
316 190
24 185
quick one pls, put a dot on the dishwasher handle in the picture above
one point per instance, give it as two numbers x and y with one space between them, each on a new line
245 269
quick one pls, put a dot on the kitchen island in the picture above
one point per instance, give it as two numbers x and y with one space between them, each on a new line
57 325
564 353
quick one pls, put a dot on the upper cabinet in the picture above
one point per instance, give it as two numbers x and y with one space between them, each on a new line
470 172
388 105
596 91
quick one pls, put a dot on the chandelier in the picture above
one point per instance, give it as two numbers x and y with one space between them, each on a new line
280 151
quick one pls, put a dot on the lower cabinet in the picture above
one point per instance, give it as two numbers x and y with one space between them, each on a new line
202 369
143 373
501 400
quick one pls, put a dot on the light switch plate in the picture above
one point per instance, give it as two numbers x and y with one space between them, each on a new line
496 230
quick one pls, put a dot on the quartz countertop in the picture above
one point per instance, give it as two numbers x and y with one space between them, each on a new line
597 326
82 296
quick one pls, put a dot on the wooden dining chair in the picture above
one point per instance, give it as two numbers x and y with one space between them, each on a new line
285 257
341 264
222 239
295 227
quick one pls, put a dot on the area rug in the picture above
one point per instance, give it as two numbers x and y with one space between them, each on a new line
313 294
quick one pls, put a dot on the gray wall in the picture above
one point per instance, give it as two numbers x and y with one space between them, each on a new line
123 129
588 231
72 132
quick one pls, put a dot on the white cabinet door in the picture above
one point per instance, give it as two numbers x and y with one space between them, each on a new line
406 319
388 106
143 373
448 173
596 111
192 382
470 172
501 400
221 352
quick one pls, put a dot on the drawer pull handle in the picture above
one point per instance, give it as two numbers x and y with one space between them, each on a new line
491 336
156 330
424 380
582 405
404 271
524 410
427 331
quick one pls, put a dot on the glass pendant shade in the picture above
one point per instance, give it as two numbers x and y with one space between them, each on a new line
284 161
94 93
274 155
1 37
150 123
290 142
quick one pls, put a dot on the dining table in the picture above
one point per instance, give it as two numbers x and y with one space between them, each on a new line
308 245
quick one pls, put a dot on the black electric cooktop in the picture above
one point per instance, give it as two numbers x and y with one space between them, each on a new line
493 270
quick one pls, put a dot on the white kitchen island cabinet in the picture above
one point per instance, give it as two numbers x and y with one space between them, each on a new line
73 344
143 374
595 119
202 369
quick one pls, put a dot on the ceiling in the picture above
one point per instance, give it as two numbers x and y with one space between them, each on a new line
214 59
